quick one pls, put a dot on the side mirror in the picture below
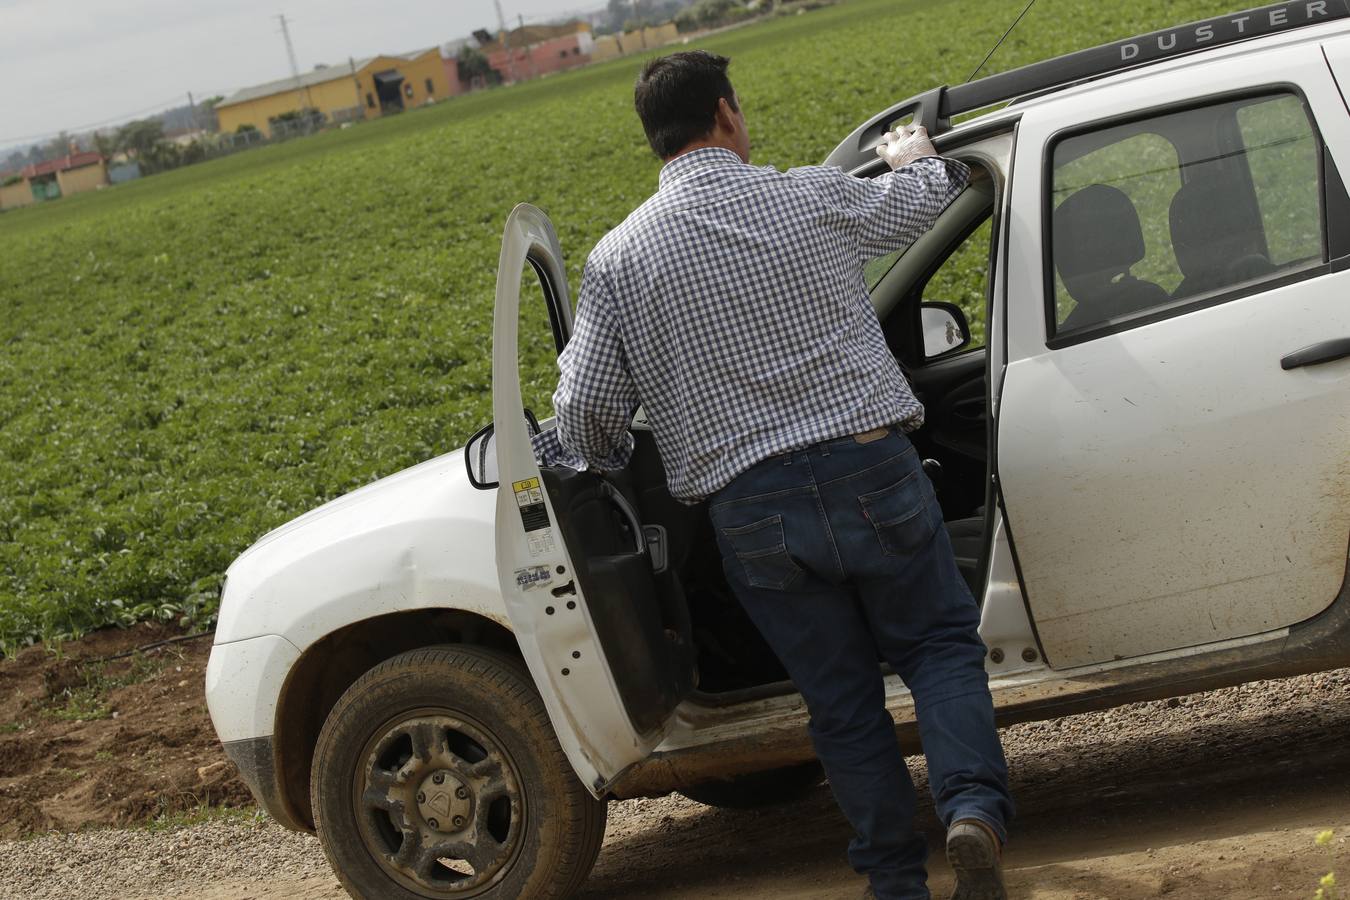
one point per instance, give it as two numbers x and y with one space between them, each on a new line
480 453
480 458
944 328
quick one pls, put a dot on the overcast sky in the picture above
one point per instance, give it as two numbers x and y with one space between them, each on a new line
74 64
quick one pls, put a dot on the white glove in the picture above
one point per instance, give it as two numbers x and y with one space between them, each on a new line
905 145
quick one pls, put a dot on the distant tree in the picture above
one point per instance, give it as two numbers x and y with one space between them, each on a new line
617 13
144 140
21 158
472 64
141 137
58 146
206 113
194 152
163 156
712 13
105 144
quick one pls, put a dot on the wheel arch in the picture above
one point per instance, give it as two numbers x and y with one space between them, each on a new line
333 663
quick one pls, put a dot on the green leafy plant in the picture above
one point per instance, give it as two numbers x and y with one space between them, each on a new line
1326 889
88 699
193 359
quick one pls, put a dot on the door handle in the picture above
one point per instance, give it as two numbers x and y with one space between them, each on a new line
970 412
1326 351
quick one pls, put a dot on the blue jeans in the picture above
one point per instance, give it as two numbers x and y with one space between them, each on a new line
839 556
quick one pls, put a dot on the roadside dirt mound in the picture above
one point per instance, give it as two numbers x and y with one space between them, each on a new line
91 741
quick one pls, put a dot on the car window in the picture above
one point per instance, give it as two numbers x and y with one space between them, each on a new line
1157 213
1146 169
538 355
963 280
1281 151
875 269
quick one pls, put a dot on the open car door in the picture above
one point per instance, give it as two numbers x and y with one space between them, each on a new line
603 632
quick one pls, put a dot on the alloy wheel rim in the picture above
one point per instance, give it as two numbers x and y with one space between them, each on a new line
439 804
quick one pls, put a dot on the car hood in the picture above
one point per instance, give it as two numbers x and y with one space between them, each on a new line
428 473
421 538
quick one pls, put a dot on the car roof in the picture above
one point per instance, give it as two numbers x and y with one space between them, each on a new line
1144 56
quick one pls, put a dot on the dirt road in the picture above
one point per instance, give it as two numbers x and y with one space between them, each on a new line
1216 795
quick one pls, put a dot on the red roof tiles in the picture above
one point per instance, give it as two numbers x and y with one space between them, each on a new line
63 164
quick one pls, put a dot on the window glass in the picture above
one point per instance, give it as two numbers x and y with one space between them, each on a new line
1146 169
1154 213
538 355
875 269
963 280
1281 151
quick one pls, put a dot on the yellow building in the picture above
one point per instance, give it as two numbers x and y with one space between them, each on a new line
78 179
362 89
71 174
17 194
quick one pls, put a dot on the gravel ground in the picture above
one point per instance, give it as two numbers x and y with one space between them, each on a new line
133 863
1216 794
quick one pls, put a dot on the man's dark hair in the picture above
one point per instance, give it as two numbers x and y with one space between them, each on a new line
676 98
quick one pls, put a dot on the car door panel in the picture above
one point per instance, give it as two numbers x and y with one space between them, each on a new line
955 431
651 663
578 591
1168 484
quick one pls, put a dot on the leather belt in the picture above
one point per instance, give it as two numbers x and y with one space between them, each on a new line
876 434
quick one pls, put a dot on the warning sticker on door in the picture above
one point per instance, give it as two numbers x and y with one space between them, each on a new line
541 541
530 502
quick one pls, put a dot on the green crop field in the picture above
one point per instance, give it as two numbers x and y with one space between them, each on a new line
194 358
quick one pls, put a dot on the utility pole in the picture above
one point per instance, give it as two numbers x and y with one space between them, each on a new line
193 106
295 67
506 39
637 17
534 71
356 85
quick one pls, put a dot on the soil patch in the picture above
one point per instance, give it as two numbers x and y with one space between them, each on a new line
1218 794
88 741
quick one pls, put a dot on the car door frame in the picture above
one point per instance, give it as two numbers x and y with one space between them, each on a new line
543 597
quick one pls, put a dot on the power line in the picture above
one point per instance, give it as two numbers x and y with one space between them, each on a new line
163 105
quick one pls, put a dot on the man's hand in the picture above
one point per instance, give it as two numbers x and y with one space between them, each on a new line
905 145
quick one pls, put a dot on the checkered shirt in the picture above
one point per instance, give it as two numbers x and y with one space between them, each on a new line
731 306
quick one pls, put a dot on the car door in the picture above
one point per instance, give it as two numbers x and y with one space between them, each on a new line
593 618
1175 472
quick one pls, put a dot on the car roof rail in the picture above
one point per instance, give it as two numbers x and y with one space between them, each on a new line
935 108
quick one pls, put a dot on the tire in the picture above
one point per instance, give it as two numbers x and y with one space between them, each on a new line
757 789
448 753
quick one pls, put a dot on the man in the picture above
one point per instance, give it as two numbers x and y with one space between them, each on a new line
731 305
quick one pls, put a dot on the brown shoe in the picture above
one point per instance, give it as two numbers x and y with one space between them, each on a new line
974 853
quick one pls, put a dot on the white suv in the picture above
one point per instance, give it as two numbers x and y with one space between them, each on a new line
1138 424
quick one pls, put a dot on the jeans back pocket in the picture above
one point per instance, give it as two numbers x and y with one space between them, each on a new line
899 515
761 550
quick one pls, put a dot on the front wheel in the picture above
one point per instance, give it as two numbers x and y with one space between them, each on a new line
437 775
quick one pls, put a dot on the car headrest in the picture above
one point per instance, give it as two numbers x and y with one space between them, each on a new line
1096 235
1207 233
